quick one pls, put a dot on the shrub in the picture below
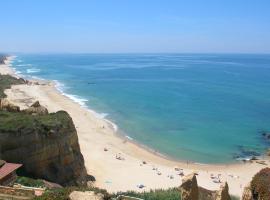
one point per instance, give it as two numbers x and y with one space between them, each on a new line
63 193
29 182
169 194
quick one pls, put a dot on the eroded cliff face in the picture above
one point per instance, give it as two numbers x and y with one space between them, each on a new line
46 145
3 58
189 190
259 187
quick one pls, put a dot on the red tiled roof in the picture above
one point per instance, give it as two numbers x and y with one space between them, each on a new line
8 168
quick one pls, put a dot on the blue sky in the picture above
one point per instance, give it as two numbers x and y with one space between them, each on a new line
112 26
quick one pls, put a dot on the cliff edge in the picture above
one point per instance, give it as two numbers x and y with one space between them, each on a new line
45 143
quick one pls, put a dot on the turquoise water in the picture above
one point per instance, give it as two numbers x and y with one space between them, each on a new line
207 108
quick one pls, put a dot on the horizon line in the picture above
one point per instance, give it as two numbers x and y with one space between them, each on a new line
58 52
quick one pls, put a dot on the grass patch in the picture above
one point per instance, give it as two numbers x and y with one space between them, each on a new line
20 122
29 182
63 193
234 197
169 194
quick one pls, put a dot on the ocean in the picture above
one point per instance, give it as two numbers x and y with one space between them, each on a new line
205 108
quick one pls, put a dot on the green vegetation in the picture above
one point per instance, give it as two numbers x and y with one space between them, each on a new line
260 184
19 122
170 194
6 81
29 182
63 193
235 197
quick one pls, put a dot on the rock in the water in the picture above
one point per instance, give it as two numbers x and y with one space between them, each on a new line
223 193
87 195
189 188
266 135
7 106
36 108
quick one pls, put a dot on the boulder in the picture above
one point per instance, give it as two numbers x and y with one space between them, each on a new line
7 106
223 193
36 104
87 195
36 108
189 188
51 185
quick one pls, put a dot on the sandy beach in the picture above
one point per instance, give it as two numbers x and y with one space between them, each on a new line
115 161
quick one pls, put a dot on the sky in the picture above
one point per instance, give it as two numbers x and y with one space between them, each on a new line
135 26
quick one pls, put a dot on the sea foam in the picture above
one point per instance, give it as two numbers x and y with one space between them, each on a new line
61 87
32 70
82 102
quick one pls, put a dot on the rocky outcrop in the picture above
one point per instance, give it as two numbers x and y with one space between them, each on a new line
258 189
189 188
247 193
6 81
3 58
89 195
36 109
7 106
223 193
46 145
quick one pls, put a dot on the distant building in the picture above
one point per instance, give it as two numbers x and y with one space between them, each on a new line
8 173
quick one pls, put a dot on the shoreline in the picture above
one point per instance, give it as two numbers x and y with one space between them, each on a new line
111 173
118 133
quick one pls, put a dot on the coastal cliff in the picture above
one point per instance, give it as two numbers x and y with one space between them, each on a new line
2 59
259 186
189 190
46 144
